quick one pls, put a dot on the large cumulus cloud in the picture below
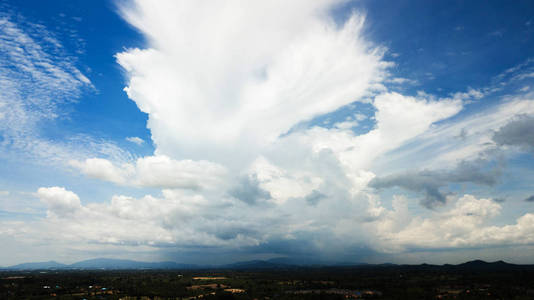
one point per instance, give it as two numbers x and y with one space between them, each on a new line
227 86
221 80
189 221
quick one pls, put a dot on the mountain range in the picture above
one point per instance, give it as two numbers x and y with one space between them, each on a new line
276 263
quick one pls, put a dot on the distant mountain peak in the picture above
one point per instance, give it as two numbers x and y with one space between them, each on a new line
38 265
483 262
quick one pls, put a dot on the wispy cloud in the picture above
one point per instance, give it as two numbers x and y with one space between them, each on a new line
136 140
497 33
39 80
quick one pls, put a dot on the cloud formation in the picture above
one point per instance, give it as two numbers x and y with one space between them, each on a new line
136 140
39 80
232 90
248 190
154 171
429 182
209 83
464 225
223 104
60 201
35 80
188 221
517 132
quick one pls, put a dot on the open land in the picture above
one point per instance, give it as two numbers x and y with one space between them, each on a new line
468 281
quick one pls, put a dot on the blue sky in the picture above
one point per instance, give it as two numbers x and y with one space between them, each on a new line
334 131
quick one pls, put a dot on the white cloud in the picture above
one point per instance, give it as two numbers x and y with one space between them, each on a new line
467 138
401 80
398 119
209 83
103 169
176 218
60 201
464 225
347 124
155 171
284 184
161 171
188 219
136 140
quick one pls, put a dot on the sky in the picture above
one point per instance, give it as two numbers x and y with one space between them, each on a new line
212 132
